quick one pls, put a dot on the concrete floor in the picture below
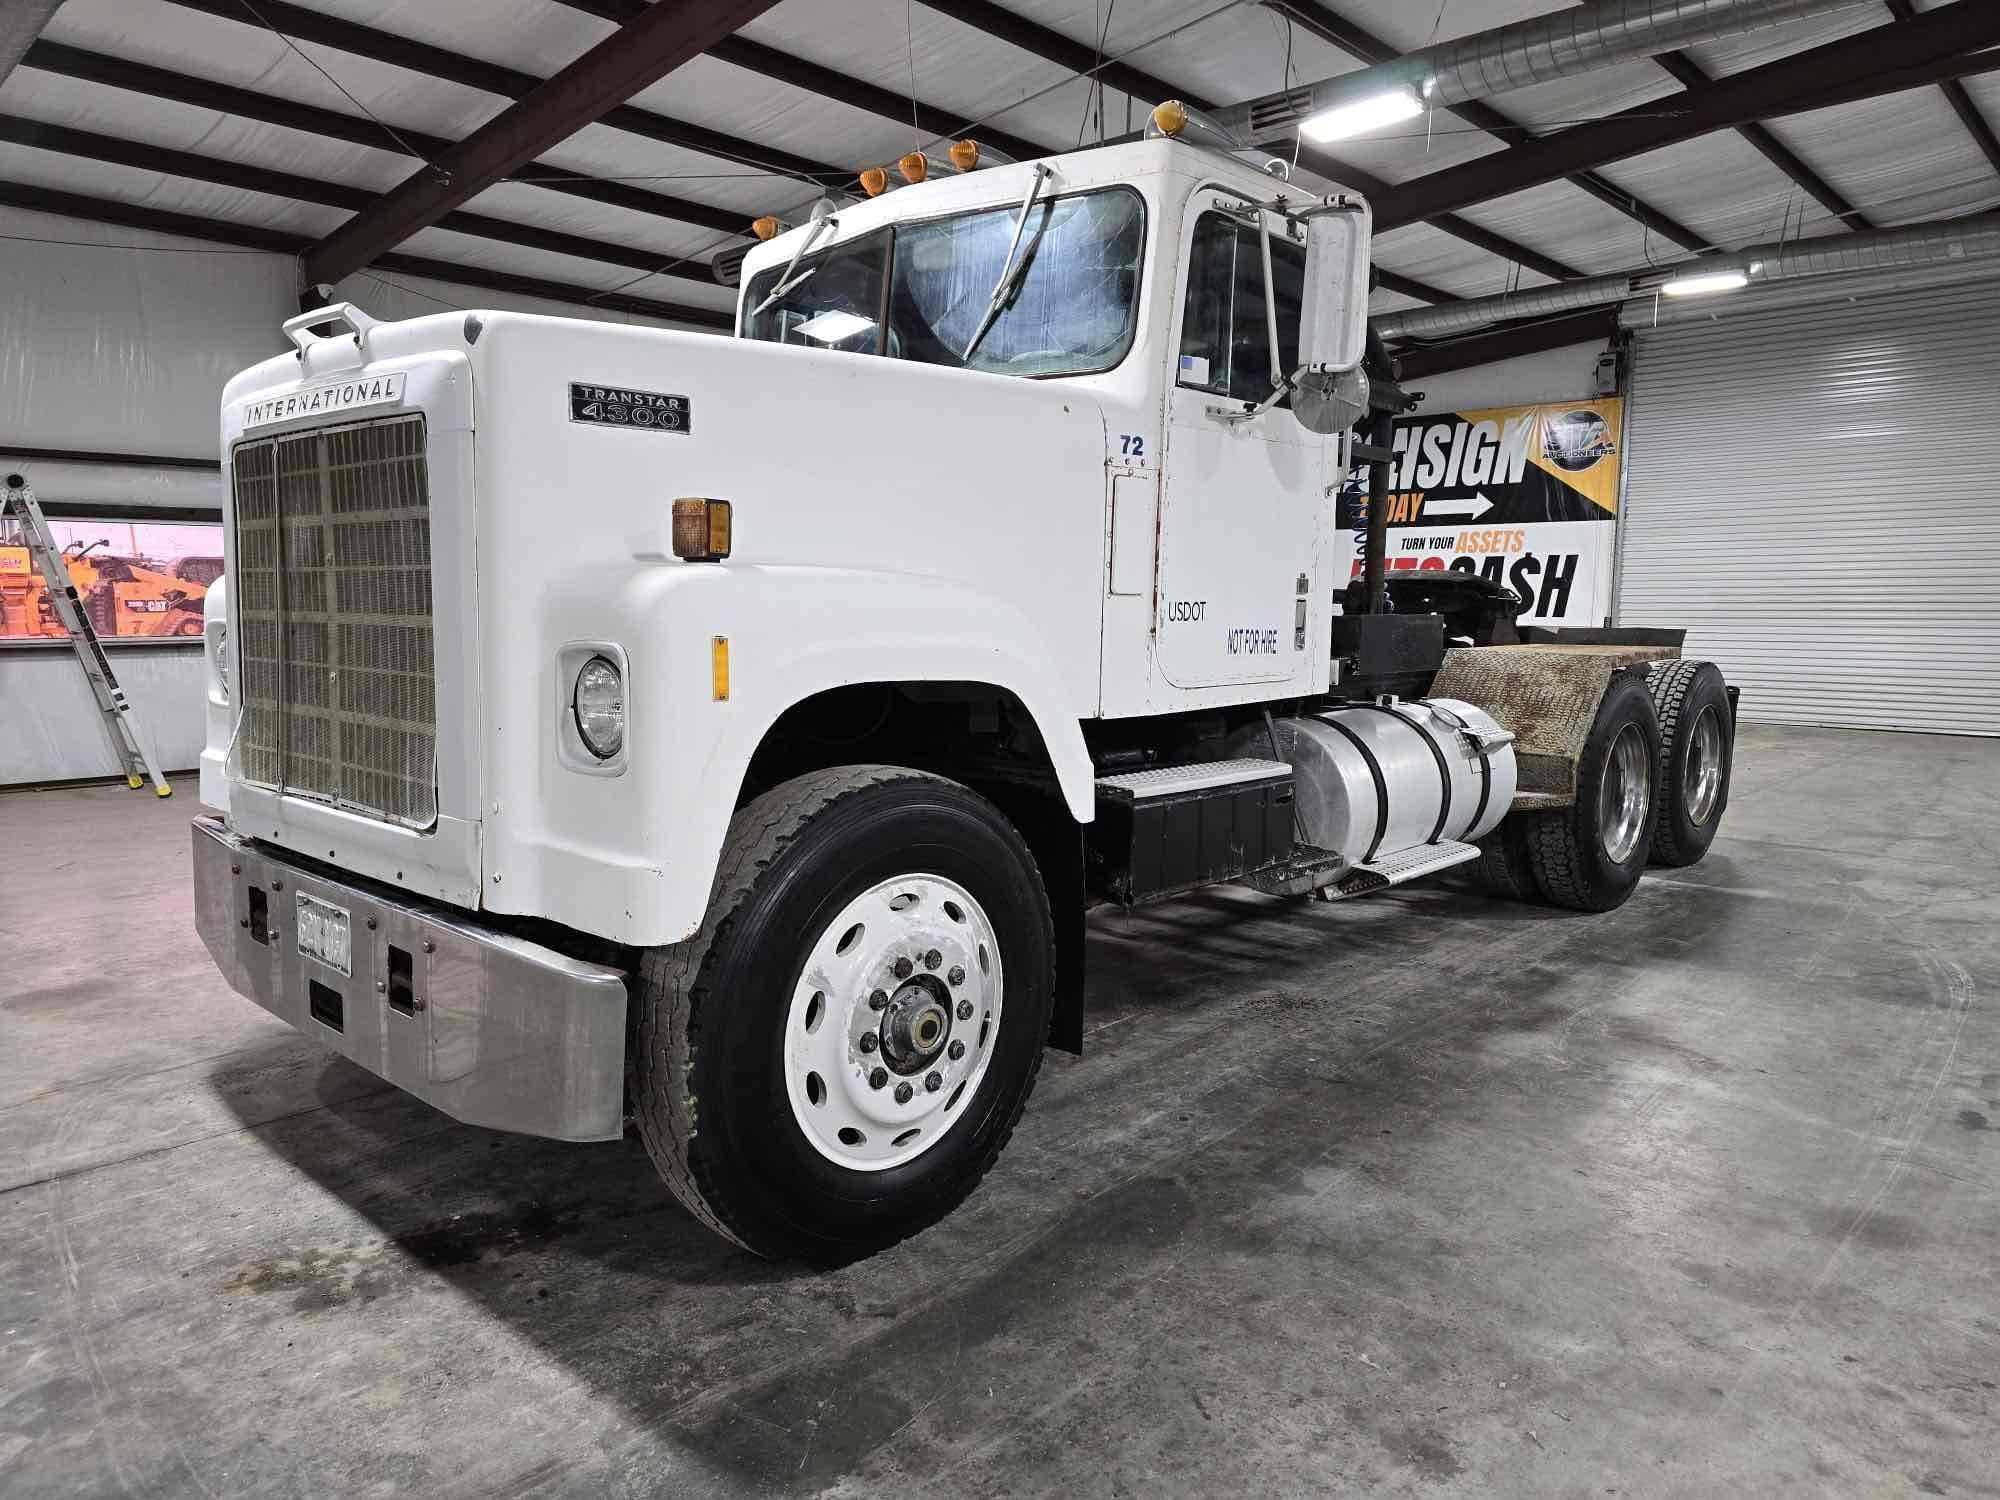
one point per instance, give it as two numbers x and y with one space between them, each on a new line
1423 1194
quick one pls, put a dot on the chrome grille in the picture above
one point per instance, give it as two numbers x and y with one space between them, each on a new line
331 607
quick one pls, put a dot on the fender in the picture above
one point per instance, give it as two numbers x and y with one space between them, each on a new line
632 857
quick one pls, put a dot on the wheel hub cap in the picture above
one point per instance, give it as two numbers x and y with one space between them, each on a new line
916 1024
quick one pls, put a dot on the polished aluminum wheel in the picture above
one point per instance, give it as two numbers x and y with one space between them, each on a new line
893 1022
1624 795
1701 775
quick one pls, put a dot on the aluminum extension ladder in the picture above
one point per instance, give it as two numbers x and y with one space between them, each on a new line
18 503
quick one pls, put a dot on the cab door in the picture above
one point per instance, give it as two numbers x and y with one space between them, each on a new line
1244 498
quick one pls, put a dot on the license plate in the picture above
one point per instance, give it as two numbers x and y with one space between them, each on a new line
324 934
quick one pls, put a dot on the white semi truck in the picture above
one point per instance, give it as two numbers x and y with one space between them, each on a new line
618 724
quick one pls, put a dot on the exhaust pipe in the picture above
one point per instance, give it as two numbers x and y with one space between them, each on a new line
1940 243
1537 50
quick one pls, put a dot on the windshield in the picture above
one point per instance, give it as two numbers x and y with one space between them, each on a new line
1072 313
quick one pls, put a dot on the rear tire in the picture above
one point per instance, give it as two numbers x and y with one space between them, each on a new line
1698 738
758 1049
1589 856
1502 867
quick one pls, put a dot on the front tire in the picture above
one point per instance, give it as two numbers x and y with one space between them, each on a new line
835 1059
1589 856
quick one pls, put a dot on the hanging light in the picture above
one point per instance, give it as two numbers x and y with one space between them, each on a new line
1704 282
1377 110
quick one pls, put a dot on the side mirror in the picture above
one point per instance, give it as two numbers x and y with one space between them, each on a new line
1330 390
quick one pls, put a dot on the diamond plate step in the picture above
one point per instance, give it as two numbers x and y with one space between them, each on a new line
1178 781
1404 864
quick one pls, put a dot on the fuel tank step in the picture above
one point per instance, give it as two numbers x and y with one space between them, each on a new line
1394 869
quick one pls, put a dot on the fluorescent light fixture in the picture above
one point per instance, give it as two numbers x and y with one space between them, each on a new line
1344 120
835 326
1707 281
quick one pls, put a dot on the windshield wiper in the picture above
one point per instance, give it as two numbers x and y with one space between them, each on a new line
1010 273
788 283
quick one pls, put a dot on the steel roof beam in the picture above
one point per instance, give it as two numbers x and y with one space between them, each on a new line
279 242
856 93
1960 101
629 60
1694 78
1358 41
180 88
1079 57
300 24
288 185
1885 60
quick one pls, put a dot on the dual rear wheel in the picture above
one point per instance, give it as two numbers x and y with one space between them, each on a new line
1652 784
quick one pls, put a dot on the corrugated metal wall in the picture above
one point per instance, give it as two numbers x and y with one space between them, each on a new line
1816 494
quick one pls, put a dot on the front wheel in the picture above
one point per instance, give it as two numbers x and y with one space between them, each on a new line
835 1059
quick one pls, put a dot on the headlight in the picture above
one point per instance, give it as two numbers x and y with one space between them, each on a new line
598 703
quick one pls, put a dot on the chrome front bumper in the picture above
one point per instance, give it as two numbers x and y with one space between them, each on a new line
488 1027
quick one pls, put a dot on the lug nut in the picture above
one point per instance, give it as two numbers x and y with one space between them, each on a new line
965 1010
957 1050
904 968
933 1082
956 977
903 1092
877 1078
867 1042
879 1000
932 959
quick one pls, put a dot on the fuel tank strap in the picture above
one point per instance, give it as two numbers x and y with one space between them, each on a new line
1485 767
1381 786
1444 770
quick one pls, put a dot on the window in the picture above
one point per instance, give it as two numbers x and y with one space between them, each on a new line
835 302
1225 344
1074 311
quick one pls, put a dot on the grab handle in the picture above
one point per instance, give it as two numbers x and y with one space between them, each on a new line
298 327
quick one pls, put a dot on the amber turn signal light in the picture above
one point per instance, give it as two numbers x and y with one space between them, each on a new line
874 182
701 530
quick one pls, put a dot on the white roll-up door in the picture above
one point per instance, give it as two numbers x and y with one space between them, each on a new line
1815 494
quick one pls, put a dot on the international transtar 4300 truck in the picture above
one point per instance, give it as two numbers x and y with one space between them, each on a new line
728 734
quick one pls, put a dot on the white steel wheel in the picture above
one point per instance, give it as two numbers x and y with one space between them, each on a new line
892 1022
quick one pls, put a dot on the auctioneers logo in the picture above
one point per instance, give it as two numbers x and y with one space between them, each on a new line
319 400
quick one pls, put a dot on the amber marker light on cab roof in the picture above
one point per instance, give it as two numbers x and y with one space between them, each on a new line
1170 117
701 529
914 167
765 226
964 154
874 181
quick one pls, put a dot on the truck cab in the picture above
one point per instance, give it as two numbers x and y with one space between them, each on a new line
1144 298
727 735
